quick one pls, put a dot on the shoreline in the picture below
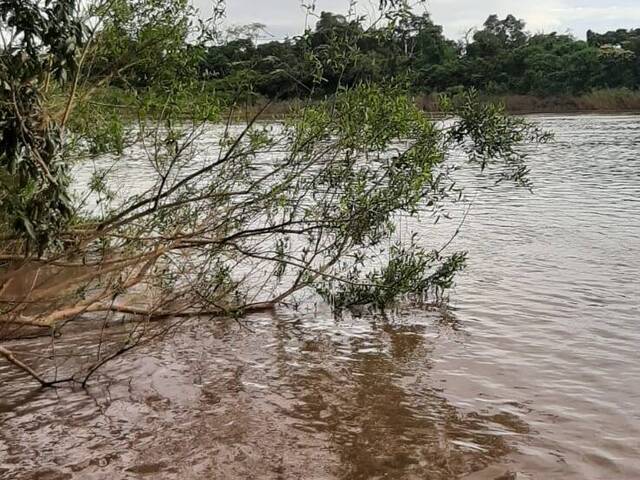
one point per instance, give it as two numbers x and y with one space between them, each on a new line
586 104
605 102
597 101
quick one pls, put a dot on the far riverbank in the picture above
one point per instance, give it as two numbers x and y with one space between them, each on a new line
608 101
600 101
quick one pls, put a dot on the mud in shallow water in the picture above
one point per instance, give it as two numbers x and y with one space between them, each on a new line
290 398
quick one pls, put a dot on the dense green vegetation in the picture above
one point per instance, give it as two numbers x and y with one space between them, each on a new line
501 58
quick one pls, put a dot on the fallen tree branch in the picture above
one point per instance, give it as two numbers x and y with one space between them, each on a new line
150 313
11 358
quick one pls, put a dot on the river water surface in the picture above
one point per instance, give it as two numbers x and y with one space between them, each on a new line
534 373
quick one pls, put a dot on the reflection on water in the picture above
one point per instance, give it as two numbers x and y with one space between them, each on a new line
534 374
372 396
292 398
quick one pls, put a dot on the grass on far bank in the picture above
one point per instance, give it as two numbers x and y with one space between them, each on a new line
610 100
606 101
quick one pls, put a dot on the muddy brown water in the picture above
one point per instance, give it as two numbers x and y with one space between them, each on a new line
533 374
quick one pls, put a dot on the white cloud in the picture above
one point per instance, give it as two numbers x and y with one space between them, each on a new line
286 17
459 15
626 13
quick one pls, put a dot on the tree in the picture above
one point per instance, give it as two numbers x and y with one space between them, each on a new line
40 47
267 212
621 53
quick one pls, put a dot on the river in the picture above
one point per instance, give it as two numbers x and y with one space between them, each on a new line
533 373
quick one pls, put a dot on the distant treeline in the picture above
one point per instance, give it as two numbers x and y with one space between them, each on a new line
502 58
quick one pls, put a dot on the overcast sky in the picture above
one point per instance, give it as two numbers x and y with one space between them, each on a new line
287 18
